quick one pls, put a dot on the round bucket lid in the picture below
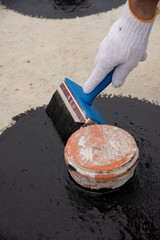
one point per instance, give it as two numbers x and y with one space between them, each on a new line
100 148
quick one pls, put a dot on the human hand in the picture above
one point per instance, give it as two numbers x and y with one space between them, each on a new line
123 48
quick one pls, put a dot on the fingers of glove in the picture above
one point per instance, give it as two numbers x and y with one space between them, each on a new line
120 74
98 74
144 57
96 60
103 47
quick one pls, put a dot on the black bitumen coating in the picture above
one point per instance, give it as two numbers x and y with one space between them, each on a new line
61 8
39 200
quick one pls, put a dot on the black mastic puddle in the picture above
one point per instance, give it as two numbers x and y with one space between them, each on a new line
40 201
61 8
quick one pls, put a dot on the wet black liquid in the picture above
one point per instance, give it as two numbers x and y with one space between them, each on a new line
40 201
61 8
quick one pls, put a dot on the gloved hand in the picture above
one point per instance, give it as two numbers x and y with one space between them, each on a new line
124 47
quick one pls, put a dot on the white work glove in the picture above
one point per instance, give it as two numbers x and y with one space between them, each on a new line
124 47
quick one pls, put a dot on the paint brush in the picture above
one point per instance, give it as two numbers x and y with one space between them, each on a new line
70 108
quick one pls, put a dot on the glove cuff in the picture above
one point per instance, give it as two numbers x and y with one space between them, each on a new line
141 20
135 30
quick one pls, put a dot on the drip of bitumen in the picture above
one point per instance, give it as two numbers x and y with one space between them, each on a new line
40 201
61 8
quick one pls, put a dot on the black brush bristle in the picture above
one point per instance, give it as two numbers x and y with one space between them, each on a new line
61 117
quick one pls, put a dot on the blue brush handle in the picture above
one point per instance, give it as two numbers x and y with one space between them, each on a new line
88 98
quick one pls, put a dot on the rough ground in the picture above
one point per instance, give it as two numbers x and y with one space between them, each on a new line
36 54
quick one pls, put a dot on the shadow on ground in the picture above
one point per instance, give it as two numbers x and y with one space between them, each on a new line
39 200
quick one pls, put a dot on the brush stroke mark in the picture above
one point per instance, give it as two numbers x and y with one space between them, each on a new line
40 201
61 8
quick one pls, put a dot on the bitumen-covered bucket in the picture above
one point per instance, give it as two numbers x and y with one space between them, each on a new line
101 156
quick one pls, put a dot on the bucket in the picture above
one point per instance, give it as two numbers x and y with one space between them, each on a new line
101 156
